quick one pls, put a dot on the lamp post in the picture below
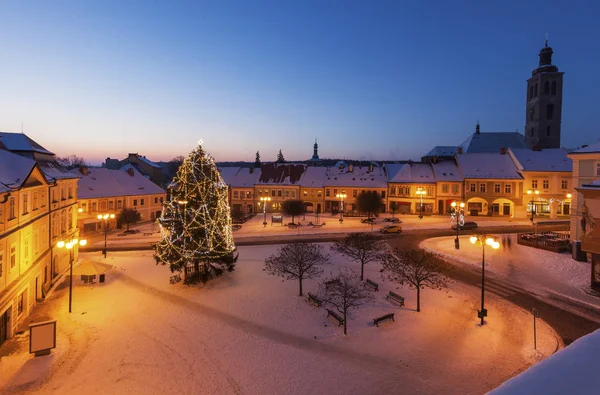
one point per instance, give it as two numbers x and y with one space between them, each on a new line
490 241
105 217
533 193
457 217
341 196
264 200
420 192
69 244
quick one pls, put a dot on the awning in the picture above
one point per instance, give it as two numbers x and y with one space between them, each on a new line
89 268
591 242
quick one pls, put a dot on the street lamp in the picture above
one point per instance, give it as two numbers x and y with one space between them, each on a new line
420 192
265 199
105 217
490 241
457 217
341 196
532 192
69 244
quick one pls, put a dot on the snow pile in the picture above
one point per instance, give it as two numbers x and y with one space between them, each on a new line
572 370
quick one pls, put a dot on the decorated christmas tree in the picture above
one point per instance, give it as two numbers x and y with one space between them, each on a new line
195 224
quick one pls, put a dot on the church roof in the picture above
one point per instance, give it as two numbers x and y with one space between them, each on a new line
492 142
19 142
443 150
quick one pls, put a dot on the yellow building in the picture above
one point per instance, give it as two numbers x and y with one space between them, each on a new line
37 209
105 191
345 178
586 171
412 188
240 182
550 173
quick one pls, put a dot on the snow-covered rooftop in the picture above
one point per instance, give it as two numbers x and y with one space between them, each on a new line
239 176
281 174
446 171
14 169
21 143
492 142
443 150
487 165
314 177
360 176
592 148
102 182
148 161
410 172
53 171
572 370
554 159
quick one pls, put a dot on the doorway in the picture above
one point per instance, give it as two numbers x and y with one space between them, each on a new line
4 327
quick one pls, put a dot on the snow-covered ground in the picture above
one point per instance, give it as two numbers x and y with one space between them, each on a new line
250 333
538 271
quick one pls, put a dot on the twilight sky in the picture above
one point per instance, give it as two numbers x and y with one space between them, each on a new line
369 79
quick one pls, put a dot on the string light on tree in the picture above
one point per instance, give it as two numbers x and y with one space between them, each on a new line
196 222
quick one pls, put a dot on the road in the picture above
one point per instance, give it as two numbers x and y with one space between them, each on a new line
568 318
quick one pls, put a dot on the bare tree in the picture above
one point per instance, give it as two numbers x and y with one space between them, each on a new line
344 292
297 261
71 161
369 202
360 247
417 268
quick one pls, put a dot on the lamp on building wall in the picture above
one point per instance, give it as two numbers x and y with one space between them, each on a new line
105 217
341 196
533 193
420 192
484 240
457 218
69 245
264 200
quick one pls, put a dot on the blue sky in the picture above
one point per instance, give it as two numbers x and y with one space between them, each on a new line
369 79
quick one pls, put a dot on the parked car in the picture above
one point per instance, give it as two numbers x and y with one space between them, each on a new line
466 226
391 229
393 220
368 220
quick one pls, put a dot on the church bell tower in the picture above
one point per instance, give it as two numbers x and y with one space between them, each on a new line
544 103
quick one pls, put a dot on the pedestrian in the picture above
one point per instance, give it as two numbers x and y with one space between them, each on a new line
503 241
509 242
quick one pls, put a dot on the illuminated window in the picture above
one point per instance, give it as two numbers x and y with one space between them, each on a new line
507 188
545 184
564 184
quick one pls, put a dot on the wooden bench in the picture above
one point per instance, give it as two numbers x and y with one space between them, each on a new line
331 283
396 298
313 299
335 315
390 316
372 284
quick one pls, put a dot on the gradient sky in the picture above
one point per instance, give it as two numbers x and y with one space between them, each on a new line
369 79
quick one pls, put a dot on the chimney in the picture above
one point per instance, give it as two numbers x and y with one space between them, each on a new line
459 150
502 151
350 168
83 170
130 171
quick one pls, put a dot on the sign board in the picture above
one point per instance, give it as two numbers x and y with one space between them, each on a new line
42 337
276 219
535 312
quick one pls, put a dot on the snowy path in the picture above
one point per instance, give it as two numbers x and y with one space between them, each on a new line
248 333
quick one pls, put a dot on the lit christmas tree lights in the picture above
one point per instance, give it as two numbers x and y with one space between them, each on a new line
196 222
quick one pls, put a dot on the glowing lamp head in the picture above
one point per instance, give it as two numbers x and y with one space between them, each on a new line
80 210
495 245
112 216
462 205
60 244
569 196
529 192
74 241
489 241
453 204
83 242
473 239
537 192
99 216
69 246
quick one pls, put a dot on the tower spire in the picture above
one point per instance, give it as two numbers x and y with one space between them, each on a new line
546 46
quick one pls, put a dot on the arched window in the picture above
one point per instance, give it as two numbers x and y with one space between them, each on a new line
547 88
531 113
549 111
535 90
547 131
530 92
553 88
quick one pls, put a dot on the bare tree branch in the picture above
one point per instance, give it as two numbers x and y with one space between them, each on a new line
297 261
417 268
360 247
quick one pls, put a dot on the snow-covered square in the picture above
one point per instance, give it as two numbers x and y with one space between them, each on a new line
248 332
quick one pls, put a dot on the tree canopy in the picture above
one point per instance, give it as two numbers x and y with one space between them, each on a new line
71 161
293 208
369 202
280 158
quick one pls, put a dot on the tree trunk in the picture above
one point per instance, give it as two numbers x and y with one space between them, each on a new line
362 271
127 223
300 282
345 331
292 219
418 299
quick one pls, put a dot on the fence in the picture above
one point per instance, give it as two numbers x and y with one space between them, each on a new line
548 241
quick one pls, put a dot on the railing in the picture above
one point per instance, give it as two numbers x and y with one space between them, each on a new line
548 241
